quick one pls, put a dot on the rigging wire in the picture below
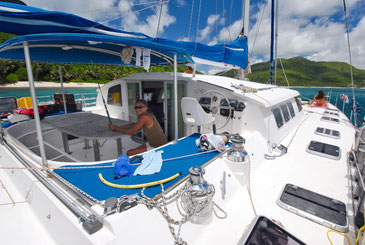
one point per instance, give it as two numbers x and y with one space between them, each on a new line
116 7
258 30
191 18
216 13
230 21
197 27
159 19
132 12
349 48
282 67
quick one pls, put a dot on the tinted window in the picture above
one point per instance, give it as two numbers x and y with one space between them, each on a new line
115 95
278 118
285 111
291 109
299 103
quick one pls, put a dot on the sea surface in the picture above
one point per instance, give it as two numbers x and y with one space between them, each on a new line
307 94
335 99
46 94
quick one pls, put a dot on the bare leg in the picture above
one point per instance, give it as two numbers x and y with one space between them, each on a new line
139 149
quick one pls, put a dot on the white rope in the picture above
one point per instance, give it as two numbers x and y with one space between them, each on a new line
249 185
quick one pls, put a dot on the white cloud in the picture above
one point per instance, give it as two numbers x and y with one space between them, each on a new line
181 3
90 9
205 33
105 11
311 34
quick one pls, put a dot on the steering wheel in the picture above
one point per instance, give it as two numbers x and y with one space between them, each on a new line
215 106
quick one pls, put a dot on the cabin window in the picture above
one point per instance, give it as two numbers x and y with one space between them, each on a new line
284 110
299 103
278 118
115 95
291 109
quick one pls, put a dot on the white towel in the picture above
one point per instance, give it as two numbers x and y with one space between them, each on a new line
215 142
146 59
151 163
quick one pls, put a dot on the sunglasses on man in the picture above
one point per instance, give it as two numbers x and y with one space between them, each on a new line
139 107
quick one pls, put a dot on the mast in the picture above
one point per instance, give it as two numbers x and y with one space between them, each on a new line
276 39
245 25
272 40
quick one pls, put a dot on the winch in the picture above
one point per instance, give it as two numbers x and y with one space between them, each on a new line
237 152
197 199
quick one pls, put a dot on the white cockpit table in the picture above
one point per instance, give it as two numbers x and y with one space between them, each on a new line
87 126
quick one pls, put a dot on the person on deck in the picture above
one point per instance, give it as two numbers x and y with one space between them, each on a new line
319 100
151 129
189 70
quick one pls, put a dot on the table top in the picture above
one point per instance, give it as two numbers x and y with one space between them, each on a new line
85 125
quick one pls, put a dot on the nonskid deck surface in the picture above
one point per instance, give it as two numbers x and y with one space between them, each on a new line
88 179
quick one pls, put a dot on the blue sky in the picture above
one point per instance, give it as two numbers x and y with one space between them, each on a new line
313 29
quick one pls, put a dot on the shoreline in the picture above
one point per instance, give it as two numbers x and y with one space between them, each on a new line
25 84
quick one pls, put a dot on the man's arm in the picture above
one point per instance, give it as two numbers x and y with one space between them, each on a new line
135 127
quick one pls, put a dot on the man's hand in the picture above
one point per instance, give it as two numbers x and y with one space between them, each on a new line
113 127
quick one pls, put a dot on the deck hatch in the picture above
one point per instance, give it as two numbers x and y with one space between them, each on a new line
331 113
331 119
324 150
328 132
316 207
329 109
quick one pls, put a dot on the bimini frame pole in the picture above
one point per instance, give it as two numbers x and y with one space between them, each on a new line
272 40
35 105
63 90
175 98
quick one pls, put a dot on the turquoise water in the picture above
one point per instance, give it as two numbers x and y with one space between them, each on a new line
48 92
306 92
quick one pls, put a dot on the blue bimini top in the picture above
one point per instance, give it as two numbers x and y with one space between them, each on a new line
88 179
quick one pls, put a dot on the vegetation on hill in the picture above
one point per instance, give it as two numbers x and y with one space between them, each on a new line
303 72
11 71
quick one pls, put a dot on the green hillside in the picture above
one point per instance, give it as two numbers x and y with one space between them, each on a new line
303 72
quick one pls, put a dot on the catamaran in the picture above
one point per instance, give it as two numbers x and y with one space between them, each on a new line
289 173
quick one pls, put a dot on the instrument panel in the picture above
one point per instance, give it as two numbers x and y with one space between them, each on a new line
236 105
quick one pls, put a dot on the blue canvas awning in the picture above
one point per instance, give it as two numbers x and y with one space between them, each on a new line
87 48
24 20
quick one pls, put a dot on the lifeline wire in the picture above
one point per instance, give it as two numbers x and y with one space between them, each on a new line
107 166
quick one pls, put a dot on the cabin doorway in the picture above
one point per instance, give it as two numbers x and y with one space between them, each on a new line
154 92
